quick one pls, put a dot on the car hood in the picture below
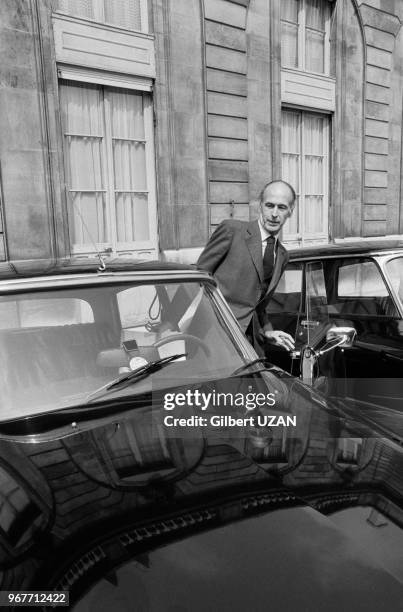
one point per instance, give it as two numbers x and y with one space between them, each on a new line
307 517
289 559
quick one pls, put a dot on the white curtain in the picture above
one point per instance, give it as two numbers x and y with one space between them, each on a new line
314 160
78 8
123 13
291 160
129 160
130 165
83 124
132 223
96 207
127 114
289 33
304 159
315 51
316 14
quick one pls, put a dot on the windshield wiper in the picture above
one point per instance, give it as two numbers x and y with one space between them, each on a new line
243 368
127 379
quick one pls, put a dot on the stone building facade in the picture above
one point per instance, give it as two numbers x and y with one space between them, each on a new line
133 127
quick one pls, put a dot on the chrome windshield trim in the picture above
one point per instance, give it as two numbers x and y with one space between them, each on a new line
296 257
105 278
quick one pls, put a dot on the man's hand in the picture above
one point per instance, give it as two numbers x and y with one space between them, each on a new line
280 338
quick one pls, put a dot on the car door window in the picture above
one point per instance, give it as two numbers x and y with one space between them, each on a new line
361 290
287 297
316 298
316 308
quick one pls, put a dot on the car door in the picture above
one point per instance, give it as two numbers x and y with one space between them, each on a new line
354 294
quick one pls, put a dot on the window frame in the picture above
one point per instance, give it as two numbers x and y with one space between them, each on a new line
112 246
301 236
301 41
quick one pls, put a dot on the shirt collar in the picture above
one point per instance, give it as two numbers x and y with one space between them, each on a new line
264 234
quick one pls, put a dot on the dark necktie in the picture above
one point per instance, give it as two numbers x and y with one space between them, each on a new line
268 261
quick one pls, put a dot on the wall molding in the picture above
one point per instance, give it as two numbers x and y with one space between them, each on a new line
103 47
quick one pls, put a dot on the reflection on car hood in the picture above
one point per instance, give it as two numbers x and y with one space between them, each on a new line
290 559
305 518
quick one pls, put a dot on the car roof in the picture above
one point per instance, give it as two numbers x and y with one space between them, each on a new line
356 247
26 269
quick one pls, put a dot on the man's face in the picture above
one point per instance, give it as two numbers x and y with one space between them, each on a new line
275 208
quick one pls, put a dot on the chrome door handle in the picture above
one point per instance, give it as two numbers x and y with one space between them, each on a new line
309 324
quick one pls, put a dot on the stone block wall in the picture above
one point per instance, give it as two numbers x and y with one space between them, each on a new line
25 122
217 104
383 116
227 109
180 124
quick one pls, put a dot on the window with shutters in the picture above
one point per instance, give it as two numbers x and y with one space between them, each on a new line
305 35
109 168
305 165
127 14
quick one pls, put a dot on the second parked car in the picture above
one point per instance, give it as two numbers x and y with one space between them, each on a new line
352 296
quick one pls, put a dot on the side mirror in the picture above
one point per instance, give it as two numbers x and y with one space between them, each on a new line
335 337
344 336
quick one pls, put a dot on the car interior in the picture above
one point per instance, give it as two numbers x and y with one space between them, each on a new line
59 346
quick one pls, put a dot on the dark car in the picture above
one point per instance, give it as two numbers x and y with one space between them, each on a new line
352 292
149 461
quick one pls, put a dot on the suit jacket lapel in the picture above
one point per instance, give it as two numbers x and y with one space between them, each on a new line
253 241
278 267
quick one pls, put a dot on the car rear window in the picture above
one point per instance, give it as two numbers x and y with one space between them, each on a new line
361 279
44 312
361 290
347 287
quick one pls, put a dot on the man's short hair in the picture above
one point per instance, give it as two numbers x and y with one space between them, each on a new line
280 182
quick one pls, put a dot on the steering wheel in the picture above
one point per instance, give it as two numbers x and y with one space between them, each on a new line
188 338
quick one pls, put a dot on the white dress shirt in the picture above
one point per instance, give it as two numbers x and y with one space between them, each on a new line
264 236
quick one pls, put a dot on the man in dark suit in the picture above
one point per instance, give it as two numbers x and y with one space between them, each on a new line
247 259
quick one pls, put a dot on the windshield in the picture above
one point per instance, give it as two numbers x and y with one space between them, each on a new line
394 268
57 347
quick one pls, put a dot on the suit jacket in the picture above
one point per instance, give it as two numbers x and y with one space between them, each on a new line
234 256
